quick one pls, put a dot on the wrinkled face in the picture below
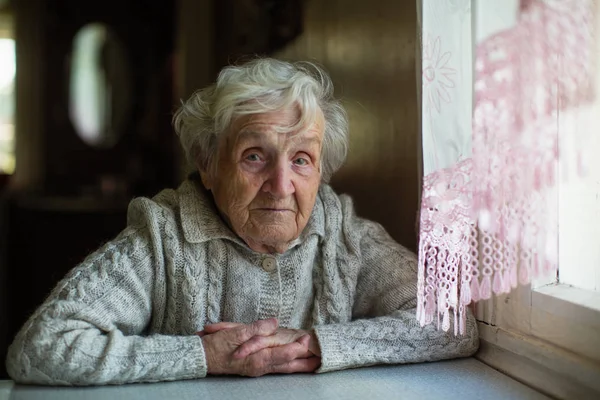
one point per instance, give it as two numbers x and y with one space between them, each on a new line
266 182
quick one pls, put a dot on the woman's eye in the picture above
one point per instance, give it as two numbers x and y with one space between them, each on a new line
253 157
301 161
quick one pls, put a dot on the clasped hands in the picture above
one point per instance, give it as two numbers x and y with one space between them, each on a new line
258 349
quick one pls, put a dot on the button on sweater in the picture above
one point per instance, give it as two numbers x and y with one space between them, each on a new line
130 311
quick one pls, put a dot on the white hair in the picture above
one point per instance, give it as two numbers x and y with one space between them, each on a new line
260 86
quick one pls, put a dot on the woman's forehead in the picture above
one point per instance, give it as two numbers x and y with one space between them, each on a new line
274 125
278 118
310 137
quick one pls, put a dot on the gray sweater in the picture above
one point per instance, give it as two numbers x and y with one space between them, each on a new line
130 311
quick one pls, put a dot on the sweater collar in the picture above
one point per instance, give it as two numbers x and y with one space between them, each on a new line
201 221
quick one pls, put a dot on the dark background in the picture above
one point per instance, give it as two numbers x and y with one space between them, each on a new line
67 198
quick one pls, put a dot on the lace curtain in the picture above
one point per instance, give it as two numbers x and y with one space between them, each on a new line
497 77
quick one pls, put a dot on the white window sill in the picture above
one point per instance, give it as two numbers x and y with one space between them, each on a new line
550 369
547 337
567 317
568 302
465 378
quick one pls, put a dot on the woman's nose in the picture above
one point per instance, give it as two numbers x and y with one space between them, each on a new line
279 183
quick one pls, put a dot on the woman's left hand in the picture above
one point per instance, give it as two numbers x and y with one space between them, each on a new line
281 337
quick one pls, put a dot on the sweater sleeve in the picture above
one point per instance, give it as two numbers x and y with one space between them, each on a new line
92 328
384 329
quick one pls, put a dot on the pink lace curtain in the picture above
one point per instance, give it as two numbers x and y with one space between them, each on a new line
496 78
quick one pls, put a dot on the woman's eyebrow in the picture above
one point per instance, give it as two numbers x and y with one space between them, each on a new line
306 140
247 135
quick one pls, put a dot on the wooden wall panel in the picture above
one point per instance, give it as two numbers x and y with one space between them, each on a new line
369 49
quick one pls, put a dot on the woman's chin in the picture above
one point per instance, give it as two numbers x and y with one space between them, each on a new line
271 239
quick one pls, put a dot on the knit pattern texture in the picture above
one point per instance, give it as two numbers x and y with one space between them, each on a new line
129 312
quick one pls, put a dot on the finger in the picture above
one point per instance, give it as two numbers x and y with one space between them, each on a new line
258 343
263 327
304 340
201 333
264 361
214 328
285 353
299 365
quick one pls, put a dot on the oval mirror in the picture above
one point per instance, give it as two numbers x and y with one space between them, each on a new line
99 86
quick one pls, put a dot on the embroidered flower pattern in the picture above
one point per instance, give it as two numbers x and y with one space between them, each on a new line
438 76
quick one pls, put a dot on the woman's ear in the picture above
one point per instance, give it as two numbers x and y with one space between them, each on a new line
205 177
208 170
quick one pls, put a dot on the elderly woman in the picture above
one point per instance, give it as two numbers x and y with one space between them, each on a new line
252 266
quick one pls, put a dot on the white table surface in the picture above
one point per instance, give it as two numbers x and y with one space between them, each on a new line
457 379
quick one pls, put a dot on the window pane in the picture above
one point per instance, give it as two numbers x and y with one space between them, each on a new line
7 105
579 207
579 196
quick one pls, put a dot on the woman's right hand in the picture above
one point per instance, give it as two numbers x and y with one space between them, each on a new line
220 346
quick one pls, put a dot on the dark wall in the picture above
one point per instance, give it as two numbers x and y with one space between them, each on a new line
246 28
369 50
145 29
56 213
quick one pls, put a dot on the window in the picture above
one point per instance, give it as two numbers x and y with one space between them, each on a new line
547 335
579 206
573 296
575 291
7 95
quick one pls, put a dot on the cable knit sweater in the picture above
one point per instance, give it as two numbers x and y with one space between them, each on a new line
130 311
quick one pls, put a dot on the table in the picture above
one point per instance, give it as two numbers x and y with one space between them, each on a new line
456 379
